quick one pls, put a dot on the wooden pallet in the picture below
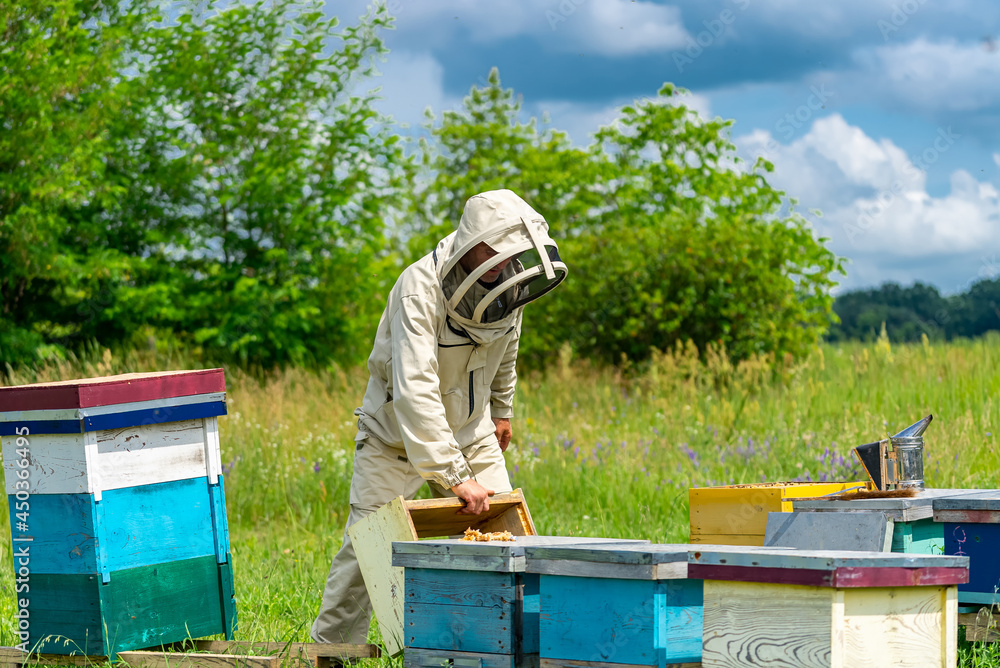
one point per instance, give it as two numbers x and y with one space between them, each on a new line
401 520
981 626
210 654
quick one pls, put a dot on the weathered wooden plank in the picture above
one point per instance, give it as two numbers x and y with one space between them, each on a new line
93 462
462 588
461 628
819 559
908 628
748 539
634 622
899 509
585 569
311 650
844 577
58 464
137 608
152 659
182 413
612 552
981 626
220 521
983 499
139 659
372 538
566 663
869 532
14 658
749 624
431 658
501 556
109 390
967 516
227 595
438 517
78 414
152 605
150 454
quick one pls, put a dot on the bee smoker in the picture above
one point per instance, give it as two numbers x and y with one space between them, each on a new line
896 462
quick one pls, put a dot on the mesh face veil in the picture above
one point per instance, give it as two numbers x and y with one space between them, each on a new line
531 268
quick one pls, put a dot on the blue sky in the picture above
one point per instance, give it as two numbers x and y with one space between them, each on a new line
882 114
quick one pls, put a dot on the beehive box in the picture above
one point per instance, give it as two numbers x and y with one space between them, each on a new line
971 527
616 605
117 509
737 514
914 530
828 608
472 603
408 520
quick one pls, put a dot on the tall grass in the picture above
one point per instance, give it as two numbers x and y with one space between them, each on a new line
609 452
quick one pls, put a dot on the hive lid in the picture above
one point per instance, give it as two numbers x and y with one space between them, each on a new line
982 499
826 568
643 561
124 388
114 416
497 556
901 509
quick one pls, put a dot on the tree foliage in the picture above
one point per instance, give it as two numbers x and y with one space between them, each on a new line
61 62
910 313
221 180
229 188
279 179
667 237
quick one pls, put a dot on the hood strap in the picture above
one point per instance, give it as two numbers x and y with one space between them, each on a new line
460 331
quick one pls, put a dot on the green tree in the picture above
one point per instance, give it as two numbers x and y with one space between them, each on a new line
667 236
266 178
688 244
487 146
61 64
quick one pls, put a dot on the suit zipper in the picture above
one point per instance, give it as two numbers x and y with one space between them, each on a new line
472 394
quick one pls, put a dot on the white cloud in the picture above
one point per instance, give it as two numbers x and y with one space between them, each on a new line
874 198
605 27
581 120
410 83
617 27
943 75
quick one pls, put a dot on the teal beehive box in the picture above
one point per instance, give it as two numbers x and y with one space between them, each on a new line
624 605
117 511
473 603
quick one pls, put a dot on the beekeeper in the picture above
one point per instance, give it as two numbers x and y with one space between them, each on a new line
441 386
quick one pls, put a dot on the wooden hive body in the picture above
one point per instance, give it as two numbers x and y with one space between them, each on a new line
971 527
617 605
472 601
409 520
117 508
830 609
737 514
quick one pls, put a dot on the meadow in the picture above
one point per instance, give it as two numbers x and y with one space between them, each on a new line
597 451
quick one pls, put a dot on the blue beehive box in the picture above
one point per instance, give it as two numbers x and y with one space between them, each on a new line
117 511
630 605
472 603
971 527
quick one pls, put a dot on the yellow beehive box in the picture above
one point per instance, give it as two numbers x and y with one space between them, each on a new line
737 514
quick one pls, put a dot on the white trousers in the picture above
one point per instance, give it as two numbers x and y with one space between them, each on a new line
381 473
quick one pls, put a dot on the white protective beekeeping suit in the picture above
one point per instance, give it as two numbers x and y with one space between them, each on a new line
442 366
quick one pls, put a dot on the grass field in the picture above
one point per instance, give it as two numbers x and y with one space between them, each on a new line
598 452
